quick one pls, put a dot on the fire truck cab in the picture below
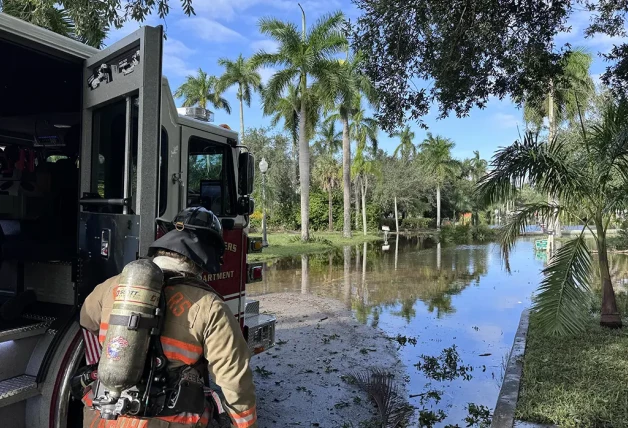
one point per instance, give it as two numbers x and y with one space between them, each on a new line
94 160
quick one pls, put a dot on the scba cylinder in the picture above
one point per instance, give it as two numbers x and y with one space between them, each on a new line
128 335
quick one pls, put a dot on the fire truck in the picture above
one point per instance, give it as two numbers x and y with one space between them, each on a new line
95 159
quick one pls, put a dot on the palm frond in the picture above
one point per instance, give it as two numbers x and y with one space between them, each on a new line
520 221
545 166
393 410
276 87
564 294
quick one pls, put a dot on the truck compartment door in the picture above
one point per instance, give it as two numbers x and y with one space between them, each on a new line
119 155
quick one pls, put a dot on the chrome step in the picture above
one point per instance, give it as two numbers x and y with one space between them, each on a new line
25 331
251 307
17 389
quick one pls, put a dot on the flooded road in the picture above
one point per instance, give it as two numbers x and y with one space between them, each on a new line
458 299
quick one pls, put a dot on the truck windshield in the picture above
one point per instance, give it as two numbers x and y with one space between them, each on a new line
210 176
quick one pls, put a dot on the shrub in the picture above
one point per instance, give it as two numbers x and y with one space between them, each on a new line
464 234
418 223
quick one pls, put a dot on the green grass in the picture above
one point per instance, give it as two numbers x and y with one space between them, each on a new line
289 244
576 381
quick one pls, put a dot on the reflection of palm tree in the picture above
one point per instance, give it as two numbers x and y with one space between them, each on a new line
347 274
407 311
305 274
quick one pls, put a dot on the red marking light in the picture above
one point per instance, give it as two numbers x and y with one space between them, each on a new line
255 272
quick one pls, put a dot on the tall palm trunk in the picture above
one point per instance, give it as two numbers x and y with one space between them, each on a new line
438 206
304 172
346 177
241 113
550 137
331 216
357 204
295 163
396 218
610 315
364 189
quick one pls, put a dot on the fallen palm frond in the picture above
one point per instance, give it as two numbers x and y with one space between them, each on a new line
393 410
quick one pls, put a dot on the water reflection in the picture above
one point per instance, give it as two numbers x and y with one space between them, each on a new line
442 296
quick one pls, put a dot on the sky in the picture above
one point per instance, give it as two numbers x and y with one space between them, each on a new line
226 28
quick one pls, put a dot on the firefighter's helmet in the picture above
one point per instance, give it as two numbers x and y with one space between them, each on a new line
195 233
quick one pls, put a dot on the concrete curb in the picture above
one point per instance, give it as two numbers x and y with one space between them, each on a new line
504 414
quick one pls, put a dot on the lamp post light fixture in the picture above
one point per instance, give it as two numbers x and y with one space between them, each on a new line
263 167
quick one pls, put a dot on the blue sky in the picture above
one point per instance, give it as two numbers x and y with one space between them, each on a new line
225 28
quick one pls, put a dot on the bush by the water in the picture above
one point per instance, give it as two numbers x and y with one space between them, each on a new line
619 242
418 223
465 233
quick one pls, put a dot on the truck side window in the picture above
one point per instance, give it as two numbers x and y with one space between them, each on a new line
210 168
108 148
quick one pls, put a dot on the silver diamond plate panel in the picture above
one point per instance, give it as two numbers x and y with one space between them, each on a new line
251 308
19 385
38 317
22 332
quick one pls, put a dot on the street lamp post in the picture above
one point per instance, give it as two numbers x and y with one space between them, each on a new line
263 167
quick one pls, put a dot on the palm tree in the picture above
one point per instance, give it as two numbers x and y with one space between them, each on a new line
565 96
286 109
345 92
330 139
363 130
327 174
202 88
436 157
406 147
572 91
241 73
477 168
590 181
303 56
363 169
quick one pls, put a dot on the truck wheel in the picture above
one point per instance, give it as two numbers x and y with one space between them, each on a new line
55 408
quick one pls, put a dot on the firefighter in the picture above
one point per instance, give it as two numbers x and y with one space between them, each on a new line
198 326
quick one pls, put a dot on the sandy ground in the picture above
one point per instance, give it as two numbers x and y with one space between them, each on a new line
299 381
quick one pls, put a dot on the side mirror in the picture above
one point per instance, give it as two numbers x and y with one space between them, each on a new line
246 173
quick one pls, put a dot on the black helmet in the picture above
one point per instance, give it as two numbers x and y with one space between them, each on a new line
195 233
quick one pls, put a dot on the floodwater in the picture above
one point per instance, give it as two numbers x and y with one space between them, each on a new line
441 296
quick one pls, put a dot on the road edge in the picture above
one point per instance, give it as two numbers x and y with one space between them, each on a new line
504 414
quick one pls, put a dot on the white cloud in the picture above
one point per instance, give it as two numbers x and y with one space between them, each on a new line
177 48
505 121
228 10
266 74
210 30
267 45
602 42
174 63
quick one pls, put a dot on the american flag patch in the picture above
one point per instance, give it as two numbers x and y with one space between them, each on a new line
92 347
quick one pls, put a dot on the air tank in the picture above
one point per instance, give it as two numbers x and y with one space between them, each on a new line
126 347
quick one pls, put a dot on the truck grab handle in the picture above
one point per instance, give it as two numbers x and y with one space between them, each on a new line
96 201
